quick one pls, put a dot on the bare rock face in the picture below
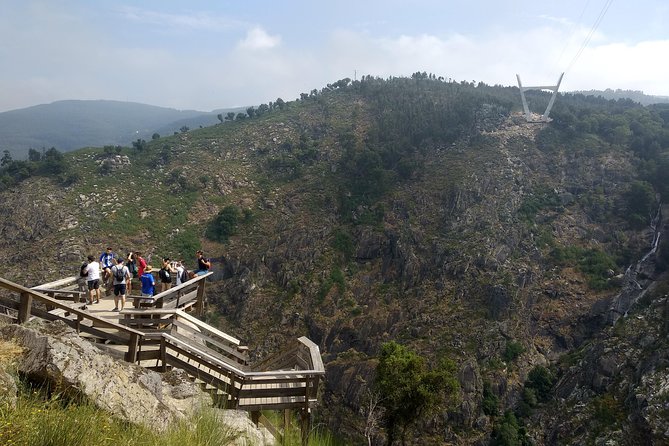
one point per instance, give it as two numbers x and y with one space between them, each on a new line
55 354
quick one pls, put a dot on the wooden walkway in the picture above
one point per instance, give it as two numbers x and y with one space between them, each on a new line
168 335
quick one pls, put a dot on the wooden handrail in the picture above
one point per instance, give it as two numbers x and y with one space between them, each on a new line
25 305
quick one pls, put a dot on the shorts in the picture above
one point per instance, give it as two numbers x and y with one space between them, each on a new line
147 298
119 289
201 272
93 284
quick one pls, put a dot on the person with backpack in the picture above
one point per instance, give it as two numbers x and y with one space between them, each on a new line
165 275
120 276
182 273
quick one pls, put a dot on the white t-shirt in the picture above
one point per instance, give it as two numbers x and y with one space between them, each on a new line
93 270
126 273
180 270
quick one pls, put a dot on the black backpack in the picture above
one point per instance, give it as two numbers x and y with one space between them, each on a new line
184 276
164 274
119 274
83 273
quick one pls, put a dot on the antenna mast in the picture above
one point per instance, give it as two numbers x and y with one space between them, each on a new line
553 88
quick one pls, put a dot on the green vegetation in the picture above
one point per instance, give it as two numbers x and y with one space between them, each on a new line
541 381
512 351
507 432
40 419
408 389
542 198
224 224
490 402
48 163
594 263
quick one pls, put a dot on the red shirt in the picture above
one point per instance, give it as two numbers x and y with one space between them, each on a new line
141 264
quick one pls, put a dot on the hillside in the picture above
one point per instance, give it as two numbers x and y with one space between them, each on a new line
411 210
70 125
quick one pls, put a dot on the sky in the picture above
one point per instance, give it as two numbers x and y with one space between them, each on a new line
207 55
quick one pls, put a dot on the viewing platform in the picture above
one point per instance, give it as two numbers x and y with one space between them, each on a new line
167 334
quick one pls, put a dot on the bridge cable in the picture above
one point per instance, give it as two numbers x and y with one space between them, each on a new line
601 15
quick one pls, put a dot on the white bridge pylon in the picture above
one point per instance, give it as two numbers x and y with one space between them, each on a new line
553 88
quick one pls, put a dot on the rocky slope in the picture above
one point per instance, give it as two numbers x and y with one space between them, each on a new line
464 257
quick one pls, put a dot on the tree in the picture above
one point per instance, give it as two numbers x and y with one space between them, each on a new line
280 103
184 129
230 116
34 155
155 136
240 116
251 112
224 224
408 389
220 117
139 145
6 158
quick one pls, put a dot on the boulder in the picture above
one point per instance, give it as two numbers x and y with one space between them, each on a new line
55 354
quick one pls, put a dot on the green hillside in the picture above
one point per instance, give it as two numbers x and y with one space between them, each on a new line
412 210
70 125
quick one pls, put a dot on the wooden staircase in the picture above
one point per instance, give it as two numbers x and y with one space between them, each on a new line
167 336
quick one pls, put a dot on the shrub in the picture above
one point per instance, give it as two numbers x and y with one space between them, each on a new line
223 225
541 380
512 351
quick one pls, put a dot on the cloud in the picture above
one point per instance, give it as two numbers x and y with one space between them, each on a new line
193 21
258 39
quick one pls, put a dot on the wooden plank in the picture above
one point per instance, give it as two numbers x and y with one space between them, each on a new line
198 373
279 392
209 328
213 353
25 305
60 283
230 352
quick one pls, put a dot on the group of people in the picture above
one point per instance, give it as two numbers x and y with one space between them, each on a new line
118 272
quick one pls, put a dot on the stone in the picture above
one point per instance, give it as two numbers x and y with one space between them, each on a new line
54 353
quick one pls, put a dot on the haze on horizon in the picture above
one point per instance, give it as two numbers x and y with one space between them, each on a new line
209 55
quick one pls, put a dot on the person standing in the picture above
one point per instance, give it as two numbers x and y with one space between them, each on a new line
148 285
131 264
180 272
165 275
107 262
141 263
92 271
120 275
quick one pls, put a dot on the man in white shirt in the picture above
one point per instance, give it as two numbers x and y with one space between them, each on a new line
93 271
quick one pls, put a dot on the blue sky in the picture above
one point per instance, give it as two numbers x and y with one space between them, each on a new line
206 55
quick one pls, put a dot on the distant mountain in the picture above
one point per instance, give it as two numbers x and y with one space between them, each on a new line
635 95
72 124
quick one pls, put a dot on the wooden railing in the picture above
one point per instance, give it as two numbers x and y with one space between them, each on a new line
86 322
171 337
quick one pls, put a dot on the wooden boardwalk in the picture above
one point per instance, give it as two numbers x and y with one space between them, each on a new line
167 334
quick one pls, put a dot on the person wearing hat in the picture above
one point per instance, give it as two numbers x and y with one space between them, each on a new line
148 284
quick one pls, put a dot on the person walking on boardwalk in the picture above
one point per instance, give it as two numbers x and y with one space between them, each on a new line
120 276
131 264
148 285
93 279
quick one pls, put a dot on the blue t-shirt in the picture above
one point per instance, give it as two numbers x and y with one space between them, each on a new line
148 284
107 260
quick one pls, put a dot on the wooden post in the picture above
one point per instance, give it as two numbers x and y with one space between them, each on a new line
163 354
199 304
133 344
286 424
255 417
24 307
305 426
